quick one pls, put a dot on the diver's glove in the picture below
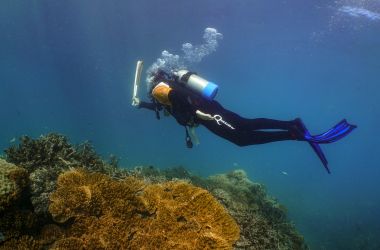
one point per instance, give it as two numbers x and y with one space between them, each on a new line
136 102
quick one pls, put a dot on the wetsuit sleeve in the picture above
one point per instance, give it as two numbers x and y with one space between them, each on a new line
147 105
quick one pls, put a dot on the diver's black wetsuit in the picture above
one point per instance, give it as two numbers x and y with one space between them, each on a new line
189 109
239 130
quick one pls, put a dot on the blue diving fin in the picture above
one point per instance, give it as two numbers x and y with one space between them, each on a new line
314 145
340 130
342 124
334 134
317 149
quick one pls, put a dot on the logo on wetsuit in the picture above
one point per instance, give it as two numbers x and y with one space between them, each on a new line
219 120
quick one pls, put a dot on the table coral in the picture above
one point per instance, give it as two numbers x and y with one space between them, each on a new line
92 194
12 181
189 216
109 214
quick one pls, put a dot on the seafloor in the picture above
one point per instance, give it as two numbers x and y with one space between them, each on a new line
55 195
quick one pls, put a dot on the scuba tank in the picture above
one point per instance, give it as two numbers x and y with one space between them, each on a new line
197 84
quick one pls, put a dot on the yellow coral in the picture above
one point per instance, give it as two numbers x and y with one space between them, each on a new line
15 222
111 214
91 194
12 181
50 233
67 243
188 216
24 242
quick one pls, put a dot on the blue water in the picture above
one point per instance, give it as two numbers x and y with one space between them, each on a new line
68 66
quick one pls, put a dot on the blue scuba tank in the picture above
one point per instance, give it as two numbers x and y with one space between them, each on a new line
197 84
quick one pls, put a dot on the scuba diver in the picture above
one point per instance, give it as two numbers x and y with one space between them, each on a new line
190 100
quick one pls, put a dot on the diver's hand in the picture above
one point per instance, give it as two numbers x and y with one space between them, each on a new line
204 116
135 102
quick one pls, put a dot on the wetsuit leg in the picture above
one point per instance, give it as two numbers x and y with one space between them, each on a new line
244 131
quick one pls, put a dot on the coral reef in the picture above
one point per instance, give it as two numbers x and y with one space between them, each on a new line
96 205
16 222
22 243
262 220
15 217
49 234
53 151
180 208
80 193
114 214
12 181
48 156
151 174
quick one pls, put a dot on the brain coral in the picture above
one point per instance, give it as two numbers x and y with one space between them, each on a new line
12 181
110 214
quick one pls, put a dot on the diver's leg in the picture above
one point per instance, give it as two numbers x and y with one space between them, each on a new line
242 123
246 131
264 123
244 137
261 137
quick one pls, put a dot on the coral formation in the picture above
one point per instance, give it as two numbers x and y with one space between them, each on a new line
49 234
15 218
96 205
53 151
12 181
181 209
48 156
130 214
22 243
80 193
16 221
262 220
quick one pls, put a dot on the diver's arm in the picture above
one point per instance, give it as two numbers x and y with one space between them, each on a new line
141 104
147 105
